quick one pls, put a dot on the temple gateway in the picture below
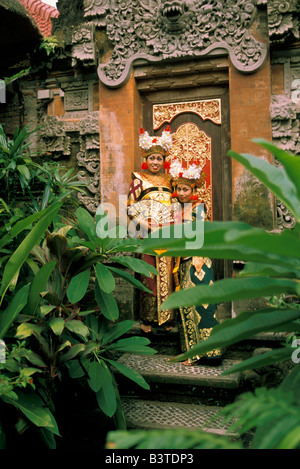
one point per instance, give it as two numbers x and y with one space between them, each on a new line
219 73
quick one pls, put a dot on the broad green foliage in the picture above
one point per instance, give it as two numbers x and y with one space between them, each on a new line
49 315
58 313
272 259
22 173
14 374
168 439
272 269
15 162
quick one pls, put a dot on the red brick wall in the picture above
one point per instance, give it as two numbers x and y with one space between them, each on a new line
120 120
250 99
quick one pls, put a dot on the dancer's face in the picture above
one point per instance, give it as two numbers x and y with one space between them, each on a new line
184 193
155 162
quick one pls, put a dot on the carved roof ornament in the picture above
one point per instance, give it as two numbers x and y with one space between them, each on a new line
283 19
157 30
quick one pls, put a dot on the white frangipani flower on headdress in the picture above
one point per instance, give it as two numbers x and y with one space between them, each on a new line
175 169
150 144
191 176
192 172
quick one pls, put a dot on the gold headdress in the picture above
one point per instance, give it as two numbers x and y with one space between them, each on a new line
191 175
151 145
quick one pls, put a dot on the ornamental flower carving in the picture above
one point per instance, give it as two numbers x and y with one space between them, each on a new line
155 30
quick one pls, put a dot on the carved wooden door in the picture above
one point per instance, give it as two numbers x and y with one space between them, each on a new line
196 128
201 131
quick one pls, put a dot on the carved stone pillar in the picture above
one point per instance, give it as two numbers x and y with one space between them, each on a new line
71 132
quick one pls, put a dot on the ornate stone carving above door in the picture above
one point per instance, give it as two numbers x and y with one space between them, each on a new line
155 30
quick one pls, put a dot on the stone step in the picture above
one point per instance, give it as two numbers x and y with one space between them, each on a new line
158 369
168 342
154 415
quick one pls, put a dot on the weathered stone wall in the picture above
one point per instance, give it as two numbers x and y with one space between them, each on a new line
250 100
285 114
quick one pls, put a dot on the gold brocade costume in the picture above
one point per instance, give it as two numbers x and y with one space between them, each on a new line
196 322
146 186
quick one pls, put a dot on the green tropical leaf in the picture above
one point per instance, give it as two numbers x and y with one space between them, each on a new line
27 329
97 375
137 265
107 304
291 384
115 331
57 325
291 440
229 240
75 369
229 289
86 223
270 434
105 278
270 270
137 345
276 179
119 416
48 438
34 409
291 163
130 373
35 359
21 226
262 360
78 286
244 326
73 351
130 279
106 396
14 308
24 171
20 254
37 286
77 327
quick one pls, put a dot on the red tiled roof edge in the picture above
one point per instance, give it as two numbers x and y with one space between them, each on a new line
42 14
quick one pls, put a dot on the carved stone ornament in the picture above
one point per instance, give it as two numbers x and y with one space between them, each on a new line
283 19
157 30
56 140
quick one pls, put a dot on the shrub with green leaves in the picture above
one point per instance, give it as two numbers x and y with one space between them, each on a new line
272 267
60 335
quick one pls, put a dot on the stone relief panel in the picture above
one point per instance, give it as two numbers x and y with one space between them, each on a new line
78 96
283 19
155 30
77 32
56 139
285 118
88 160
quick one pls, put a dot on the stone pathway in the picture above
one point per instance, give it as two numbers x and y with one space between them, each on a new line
182 396
168 404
